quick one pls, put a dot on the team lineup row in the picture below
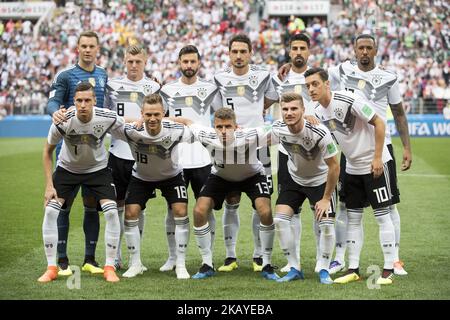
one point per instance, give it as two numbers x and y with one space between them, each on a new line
247 90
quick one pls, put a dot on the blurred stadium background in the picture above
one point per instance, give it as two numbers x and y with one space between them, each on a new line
37 39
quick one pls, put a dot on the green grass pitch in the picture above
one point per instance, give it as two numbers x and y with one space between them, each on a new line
425 244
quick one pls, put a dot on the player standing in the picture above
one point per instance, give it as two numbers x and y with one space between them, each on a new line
192 98
125 95
82 161
248 90
380 87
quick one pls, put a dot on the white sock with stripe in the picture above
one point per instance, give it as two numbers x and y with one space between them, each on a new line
287 244
257 251
50 231
341 233
395 217
387 236
355 239
170 235
133 240
296 229
112 231
181 239
327 242
230 222
203 239
267 234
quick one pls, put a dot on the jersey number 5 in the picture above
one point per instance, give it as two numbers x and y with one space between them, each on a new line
230 103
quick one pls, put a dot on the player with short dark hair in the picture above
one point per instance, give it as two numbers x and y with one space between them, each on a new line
360 134
82 161
248 90
61 95
192 98
381 88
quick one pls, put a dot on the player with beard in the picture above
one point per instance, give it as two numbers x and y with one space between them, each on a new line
191 98
380 87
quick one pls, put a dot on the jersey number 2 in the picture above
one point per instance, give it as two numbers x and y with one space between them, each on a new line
120 109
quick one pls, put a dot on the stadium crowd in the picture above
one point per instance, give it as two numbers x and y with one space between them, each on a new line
414 40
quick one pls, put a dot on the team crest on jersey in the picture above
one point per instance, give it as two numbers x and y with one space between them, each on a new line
92 81
189 101
166 142
134 96
376 80
101 82
307 142
98 129
332 125
295 148
84 139
147 89
361 84
202 93
339 113
253 81
298 89
241 90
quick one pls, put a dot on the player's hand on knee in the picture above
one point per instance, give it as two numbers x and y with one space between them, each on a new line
50 193
321 208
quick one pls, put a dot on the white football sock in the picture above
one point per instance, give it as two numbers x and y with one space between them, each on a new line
133 240
181 239
141 224
327 241
316 235
203 239
257 251
395 217
354 236
50 231
387 236
212 227
170 234
112 231
296 229
267 234
287 245
341 233
230 221
120 212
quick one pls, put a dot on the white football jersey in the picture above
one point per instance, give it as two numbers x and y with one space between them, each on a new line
245 94
379 87
294 82
126 98
193 102
83 150
347 118
237 160
156 157
307 151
